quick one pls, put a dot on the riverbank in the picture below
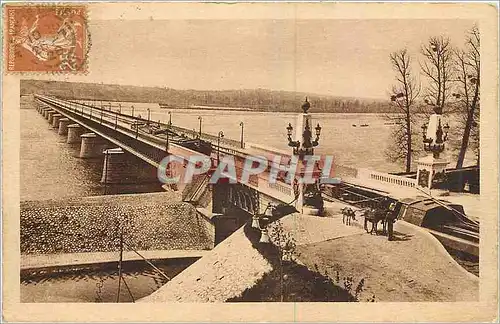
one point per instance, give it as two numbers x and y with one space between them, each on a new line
155 221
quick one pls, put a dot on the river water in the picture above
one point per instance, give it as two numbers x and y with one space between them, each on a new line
351 146
50 168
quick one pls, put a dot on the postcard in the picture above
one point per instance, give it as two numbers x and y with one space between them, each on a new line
250 162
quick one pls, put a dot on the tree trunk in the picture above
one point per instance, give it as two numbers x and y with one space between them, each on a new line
408 139
468 127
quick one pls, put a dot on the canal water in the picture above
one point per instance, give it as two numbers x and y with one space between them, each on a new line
100 284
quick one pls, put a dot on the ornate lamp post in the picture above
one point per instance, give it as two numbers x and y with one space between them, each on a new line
169 118
149 114
308 144
431 169
303 145
132 110
200 119
242 144
220 135
435 145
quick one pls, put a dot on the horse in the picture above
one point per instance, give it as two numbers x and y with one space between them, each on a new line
386 217
375 216
347 215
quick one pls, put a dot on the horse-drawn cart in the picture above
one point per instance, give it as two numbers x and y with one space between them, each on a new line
387 215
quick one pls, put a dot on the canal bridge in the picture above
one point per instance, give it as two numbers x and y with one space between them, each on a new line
133 148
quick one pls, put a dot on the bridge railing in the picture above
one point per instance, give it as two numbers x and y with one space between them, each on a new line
208 137
281 187
387 178
224 142
144 137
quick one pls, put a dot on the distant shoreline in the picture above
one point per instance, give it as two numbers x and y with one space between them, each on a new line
198 107
208 108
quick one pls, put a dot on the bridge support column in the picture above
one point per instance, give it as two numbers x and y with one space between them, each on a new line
49 115
92 145
45 112
55 120
63 126
74 133
115 167
121 167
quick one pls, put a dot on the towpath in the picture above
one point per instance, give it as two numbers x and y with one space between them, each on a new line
413 267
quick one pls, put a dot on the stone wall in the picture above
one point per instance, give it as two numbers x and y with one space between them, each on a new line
149 222
27 101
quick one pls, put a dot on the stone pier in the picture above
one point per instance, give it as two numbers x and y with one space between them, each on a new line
49 116
63 126
45 111
121 167
55 120
74 133
92 145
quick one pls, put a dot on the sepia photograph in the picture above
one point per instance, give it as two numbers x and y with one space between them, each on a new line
251 157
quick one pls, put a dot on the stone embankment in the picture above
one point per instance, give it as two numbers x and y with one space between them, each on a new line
157 221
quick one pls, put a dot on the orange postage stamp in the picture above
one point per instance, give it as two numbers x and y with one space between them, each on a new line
46 38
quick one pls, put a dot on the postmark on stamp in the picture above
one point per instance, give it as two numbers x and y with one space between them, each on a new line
47 38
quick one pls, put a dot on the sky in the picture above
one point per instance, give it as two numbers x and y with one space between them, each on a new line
334 57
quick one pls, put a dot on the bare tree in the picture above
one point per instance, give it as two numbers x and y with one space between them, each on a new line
403 96
438 68
467 63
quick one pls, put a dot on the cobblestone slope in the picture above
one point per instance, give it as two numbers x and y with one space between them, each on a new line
149 221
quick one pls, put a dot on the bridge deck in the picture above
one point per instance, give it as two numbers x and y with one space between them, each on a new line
120 130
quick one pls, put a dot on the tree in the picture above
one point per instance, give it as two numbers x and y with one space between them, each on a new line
438 68
285 243
467 63
403 96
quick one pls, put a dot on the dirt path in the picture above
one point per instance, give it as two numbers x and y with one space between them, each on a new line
412 268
